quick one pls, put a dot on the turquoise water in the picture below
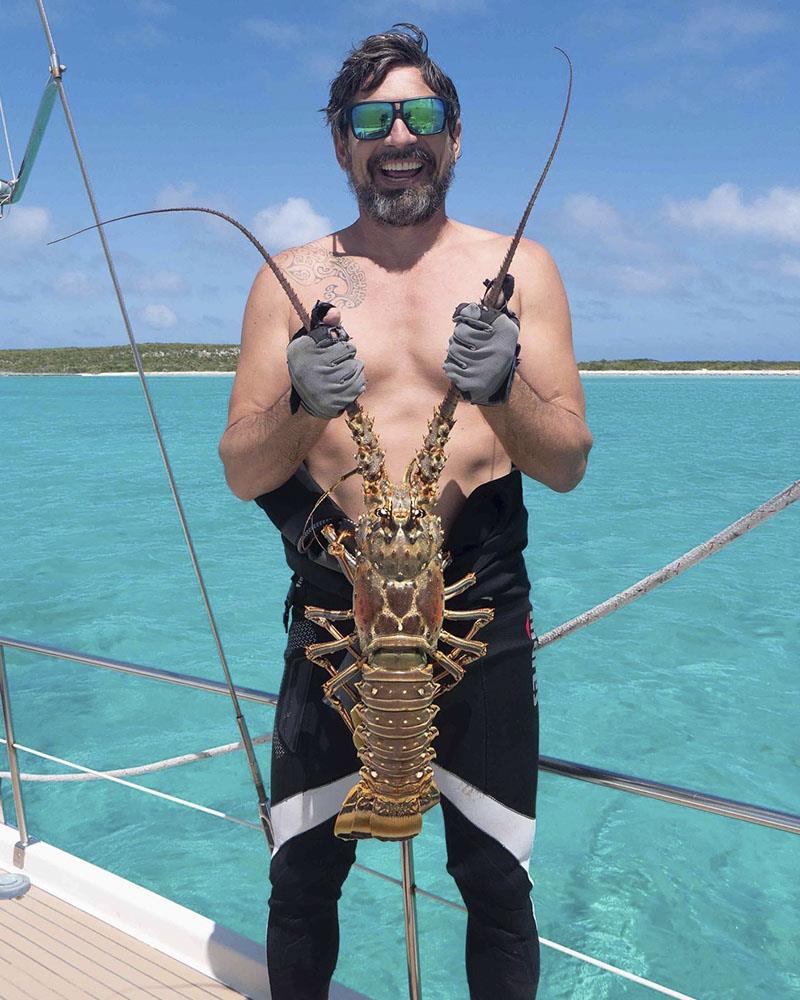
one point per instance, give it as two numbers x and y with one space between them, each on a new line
696 684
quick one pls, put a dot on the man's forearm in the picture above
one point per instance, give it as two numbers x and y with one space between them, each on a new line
261 450
544 440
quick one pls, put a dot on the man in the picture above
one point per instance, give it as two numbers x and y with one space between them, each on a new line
393 278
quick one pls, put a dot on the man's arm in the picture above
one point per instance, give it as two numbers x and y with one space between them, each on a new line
542 426
264 442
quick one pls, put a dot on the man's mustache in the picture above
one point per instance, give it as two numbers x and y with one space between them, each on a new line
390 156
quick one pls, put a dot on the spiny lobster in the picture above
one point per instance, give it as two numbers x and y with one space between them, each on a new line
385 696
399 608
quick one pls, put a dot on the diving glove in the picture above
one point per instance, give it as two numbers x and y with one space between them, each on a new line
482 353
326 376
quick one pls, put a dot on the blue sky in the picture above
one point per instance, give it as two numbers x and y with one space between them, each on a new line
672 209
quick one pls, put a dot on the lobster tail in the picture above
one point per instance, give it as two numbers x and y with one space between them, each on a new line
393 736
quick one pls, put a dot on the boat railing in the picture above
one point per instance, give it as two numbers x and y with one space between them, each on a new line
691 798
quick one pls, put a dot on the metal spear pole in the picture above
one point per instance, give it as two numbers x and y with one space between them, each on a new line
410 916
13 765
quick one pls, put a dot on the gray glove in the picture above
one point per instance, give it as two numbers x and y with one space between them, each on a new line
326 377
482 353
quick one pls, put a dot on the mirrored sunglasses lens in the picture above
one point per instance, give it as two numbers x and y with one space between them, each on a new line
371 121
424 116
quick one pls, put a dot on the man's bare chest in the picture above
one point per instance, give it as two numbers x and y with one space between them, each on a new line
399 320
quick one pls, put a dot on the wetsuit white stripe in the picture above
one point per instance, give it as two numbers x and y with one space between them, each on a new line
508 827
308 809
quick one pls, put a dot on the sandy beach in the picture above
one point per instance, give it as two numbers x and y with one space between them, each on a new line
696 371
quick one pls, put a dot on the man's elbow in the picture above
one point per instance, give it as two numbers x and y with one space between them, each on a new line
243 480
572 468
236 472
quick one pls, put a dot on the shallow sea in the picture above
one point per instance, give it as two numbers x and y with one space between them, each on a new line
696 684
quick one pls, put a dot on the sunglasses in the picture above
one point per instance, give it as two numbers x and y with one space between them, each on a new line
375 119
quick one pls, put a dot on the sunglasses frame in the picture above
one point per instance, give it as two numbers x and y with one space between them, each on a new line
397 112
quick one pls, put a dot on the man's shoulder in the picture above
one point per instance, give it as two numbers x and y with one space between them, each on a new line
528 251
306 254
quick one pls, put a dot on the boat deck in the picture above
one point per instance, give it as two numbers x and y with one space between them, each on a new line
50 949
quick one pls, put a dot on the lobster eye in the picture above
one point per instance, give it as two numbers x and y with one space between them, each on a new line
417 513
383 512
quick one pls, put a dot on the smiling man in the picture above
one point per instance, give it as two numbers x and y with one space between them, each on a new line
393 279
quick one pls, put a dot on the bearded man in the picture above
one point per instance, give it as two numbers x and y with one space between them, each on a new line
392 279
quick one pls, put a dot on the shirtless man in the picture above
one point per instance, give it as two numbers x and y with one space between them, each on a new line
394 278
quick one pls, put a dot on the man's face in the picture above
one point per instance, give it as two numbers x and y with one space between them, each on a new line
399 196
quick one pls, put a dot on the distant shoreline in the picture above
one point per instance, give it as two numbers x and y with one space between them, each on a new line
185 360
690 371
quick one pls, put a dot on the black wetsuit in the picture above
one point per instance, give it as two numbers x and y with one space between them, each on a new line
485 767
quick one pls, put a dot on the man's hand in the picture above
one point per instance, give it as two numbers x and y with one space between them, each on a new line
482 354
326 377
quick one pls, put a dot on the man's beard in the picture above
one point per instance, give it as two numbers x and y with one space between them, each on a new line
407 206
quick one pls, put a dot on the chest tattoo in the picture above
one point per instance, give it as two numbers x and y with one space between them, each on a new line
344 282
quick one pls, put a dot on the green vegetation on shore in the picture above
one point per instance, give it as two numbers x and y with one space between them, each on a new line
224 357
648 364
93 360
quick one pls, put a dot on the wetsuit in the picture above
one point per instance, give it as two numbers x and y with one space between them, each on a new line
485 767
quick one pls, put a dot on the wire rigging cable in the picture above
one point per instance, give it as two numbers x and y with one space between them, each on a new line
56 70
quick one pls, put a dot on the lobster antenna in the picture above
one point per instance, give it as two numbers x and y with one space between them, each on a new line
283 281
429 463
492 296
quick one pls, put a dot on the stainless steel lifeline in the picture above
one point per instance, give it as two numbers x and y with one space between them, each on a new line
13 765
679 796
693 799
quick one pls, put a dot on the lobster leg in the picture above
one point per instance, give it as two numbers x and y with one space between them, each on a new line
342 678
320 649
459 586
482 615
322 615
450 665
468 645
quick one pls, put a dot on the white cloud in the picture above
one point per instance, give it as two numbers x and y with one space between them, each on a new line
159 317
188 194
159 283
647 280
172 195
590 212
715 27
74 285
775 215
24 226
591 215
291 223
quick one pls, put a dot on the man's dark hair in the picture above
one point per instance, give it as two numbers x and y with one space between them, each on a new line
366 68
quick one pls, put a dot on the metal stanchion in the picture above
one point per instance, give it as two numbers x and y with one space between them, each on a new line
410 914
13 766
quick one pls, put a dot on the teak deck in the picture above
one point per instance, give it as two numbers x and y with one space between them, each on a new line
49 950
